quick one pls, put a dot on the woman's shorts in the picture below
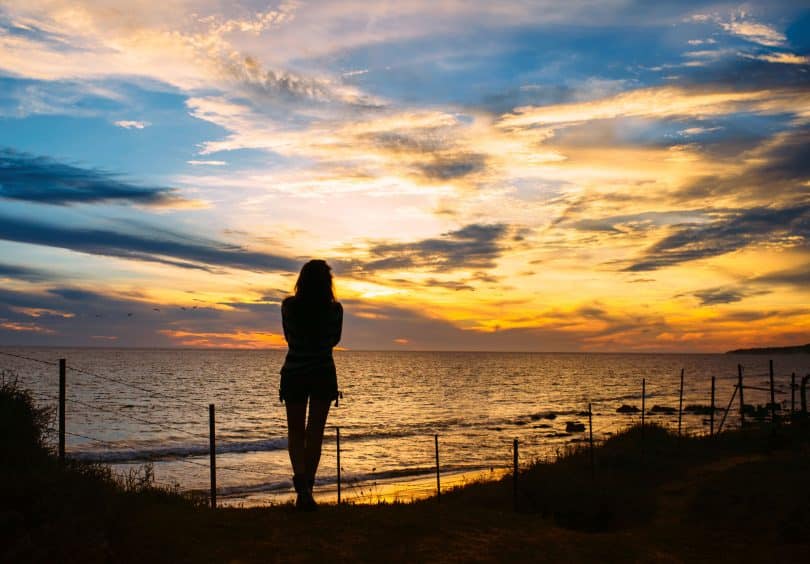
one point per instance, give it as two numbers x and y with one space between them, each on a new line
299 387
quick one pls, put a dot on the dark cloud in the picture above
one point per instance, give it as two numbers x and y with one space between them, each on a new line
161 246
45 181
452 166
781 166
456 285
714 296
472 246
731 233
416 141
799 277
436 157
76 316
744 73
21 272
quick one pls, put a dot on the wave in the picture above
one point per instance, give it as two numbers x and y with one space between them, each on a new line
352 481
146 454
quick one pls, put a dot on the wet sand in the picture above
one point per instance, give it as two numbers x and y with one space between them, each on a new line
389 490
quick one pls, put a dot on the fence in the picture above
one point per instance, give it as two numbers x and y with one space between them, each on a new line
768 412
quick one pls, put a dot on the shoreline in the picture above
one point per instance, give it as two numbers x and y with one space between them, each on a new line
385 490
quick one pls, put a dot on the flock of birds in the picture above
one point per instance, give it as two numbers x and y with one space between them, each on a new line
157 309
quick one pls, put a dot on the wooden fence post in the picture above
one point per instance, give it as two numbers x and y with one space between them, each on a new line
337 429
680 405
742 401
212 451
711 414
62 370
515 474
438 479
773 398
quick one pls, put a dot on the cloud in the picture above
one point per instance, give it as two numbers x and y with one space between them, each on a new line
472 246
454 166
160 246
787 226
776 169
781 58
45 181
798 277
22 272
241 339
206 163
691 131
130 124
725 295
754 32
661 102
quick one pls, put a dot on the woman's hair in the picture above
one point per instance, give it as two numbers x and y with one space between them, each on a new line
314 285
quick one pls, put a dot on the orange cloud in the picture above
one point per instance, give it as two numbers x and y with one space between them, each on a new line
28 327
239 339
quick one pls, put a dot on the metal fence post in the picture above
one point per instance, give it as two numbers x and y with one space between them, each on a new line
438 479
212 451
711 415
590 439
515 474
337 440
62 370
742 401
680 405
773 398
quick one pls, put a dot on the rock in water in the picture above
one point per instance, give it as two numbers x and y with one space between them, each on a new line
574 427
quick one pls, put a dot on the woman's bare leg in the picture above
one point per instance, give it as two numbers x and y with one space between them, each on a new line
318 411
296 437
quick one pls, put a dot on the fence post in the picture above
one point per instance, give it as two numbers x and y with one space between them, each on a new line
711 414
62 410
773 399
515 474
792 393
212 453
337 430
590 439
742 401
643 409
438 479
680 405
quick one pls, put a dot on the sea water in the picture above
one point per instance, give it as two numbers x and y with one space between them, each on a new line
128 407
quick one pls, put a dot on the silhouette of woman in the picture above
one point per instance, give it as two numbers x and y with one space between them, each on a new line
312 321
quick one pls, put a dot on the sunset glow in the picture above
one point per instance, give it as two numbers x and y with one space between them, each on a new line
539 176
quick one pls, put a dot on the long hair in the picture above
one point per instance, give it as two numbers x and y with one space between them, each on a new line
314 286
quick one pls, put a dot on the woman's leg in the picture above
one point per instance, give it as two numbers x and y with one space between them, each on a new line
318 411
296 436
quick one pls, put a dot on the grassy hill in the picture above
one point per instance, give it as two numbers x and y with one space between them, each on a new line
649 496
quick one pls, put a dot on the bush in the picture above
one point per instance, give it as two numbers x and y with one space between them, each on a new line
24 427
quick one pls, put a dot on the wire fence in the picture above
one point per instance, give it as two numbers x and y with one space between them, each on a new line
595 432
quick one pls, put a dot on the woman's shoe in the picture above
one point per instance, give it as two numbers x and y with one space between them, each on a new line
304 500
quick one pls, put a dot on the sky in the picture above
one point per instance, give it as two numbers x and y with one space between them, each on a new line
523 175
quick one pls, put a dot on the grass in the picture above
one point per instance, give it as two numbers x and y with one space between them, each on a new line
649 497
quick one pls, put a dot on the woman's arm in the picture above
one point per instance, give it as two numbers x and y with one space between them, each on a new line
284 310
337 329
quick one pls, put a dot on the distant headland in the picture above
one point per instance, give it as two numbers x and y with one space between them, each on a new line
774 350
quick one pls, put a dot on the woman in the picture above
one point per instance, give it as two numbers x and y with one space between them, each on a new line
312 321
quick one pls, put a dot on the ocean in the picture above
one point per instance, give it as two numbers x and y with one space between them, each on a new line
127 407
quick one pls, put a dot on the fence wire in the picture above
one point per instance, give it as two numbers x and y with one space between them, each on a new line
357 490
